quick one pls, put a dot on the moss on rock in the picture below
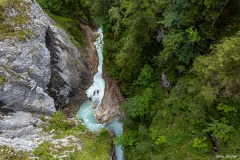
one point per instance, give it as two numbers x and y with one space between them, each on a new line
8 153
93 145
13 17
2 80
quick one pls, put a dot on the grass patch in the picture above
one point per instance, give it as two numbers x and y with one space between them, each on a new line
12 27
12 73
71 26
65 13
2 80
43 151
94 145
3 5
8 153
59 123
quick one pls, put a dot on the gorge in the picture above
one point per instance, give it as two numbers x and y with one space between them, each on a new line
42 71
95 93
170 75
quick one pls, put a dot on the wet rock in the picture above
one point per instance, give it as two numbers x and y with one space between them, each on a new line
110 104
112 151
81 83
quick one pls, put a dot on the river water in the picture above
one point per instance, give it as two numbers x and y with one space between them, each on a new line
95 94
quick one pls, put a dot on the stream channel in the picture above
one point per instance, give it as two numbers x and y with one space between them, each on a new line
95 94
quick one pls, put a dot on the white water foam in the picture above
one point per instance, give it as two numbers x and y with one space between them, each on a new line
95 94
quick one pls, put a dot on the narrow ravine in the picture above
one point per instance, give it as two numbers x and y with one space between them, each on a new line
95 94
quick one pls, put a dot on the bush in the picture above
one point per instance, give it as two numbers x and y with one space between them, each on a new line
43 151
59 122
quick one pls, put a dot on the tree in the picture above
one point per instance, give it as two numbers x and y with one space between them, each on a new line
139 105
220 130
203 73
68 8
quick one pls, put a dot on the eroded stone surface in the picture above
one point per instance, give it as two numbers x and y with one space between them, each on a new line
45 69
22 131
18 131
110 105
40 71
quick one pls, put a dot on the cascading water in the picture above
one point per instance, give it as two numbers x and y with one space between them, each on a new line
95 94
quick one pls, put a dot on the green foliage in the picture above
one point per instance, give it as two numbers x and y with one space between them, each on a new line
59 122
62 126
42 118
199 143
220 130
97 147
131 137
180 44
43 151
138 106
52 5
2 80
8 153
115 19
208 93
221 66
67 14
193 35
200 18
9 23
161 140
3 4
93 145
67 8
200 63
145 77
124 48
100 8
226 108
197 48
71 26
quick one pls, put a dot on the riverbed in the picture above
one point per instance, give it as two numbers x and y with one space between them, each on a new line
94 95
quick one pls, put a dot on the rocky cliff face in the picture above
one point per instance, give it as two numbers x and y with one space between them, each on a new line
110 105
40 68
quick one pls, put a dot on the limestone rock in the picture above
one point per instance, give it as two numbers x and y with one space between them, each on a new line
17 131
68 70
90 61
165 83
25 63
110 104
42 70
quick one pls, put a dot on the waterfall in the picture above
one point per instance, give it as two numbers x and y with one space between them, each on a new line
95 94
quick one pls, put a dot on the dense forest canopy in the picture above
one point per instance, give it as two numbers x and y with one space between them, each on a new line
193 44
196 45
